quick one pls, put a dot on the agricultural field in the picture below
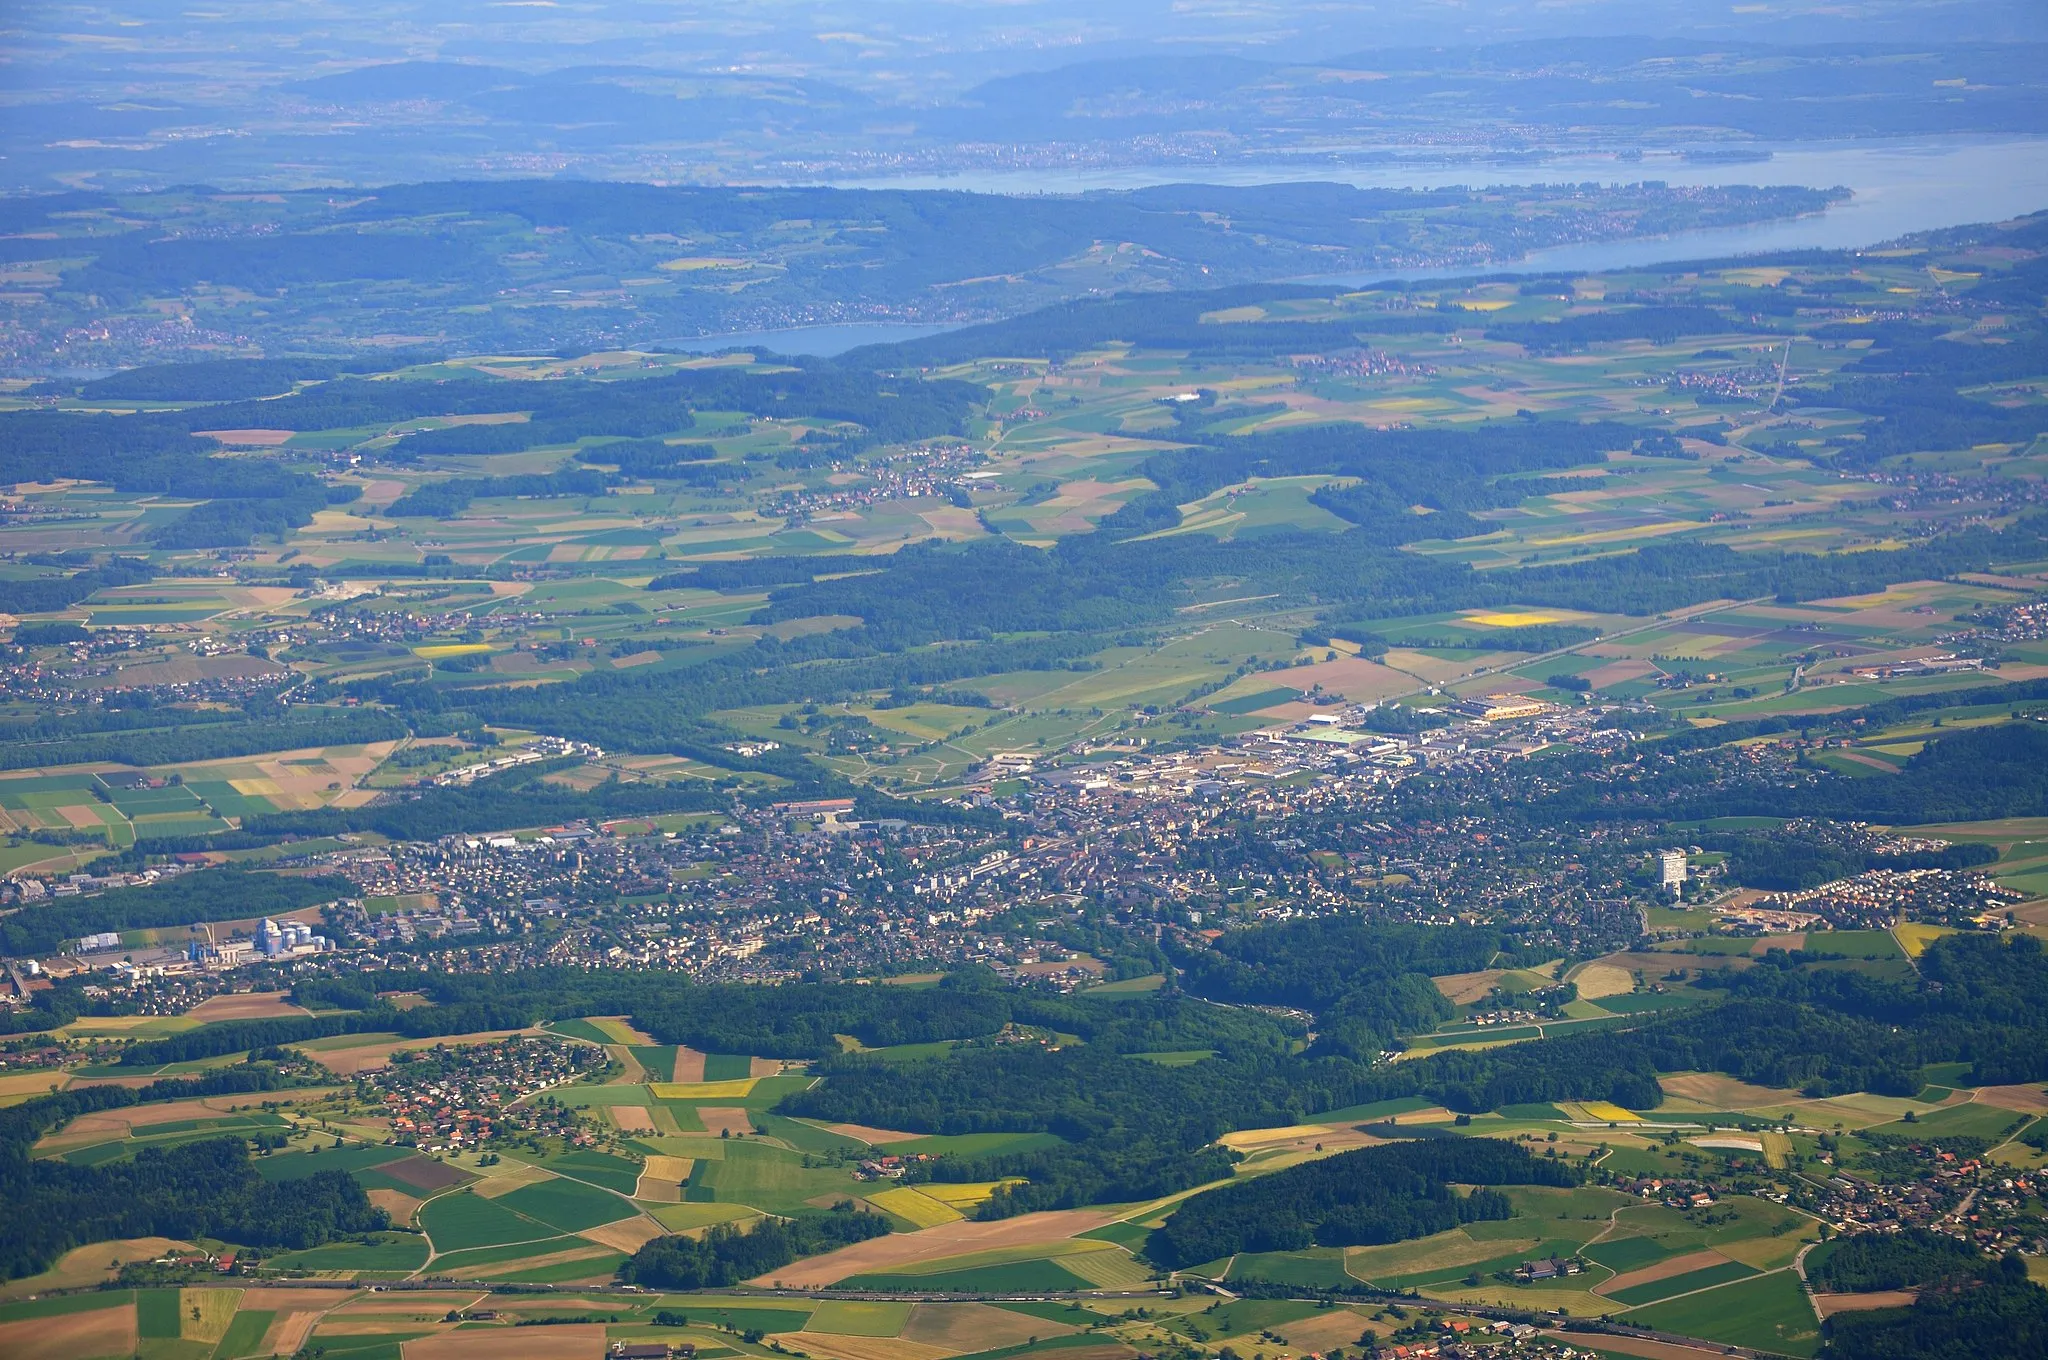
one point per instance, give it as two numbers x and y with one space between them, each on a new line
1059 448
235 1323
586 704
569 1217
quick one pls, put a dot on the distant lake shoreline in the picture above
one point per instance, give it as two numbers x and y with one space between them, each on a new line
1899 187
823 341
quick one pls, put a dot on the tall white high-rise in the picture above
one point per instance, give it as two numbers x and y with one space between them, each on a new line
1673 865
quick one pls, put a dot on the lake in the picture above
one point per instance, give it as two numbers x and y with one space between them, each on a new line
822 341
1899 187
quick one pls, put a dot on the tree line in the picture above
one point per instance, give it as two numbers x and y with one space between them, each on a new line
208 1188
725 1255
224 894
1364 1197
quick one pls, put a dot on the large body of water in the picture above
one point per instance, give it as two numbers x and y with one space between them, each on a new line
1898 187
824 341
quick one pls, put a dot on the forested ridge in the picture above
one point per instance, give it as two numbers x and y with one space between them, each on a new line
1128 1129
1133 1129
242 498
1908 1259
201 1189
1365 983
726 1255
1360 1198
1993 1313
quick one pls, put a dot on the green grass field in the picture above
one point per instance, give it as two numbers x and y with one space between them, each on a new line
567 1205
63 1305
464 1219
580 1029
766 1318
1013 1277
1768 1312
727 1066
1622 1255
972 1144
290 1166
383 1251
156 1314
771 1179
517 1251
1315 1268
1971 1121
1690 1282
599 1168
591 1268
849 1317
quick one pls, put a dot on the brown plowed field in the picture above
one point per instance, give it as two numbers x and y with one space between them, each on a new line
401 1207
721 1119
2022 1099
577 1341
689 1065
1635 1345
962 1327
632 1118
627 1235
831 1346
245 1006
1663 1270
72 1336
425 1172
868 1133
287 1333
948 1239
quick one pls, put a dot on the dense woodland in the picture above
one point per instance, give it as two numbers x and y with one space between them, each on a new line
934 613
2000 1315
207 895
169 736
201 1189
1132 1128
1359 1198
1128 1128
726 1255
1365 984
1914 1258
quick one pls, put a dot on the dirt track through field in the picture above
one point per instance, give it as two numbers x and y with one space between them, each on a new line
287 1333
869 1134
948 1239
1830 1304
1662 1270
